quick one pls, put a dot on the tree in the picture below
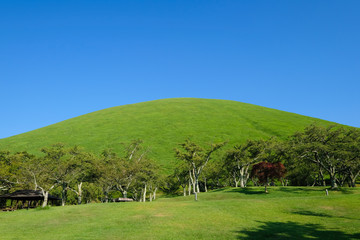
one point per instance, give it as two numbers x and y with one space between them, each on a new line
170 184
130 165
128 170
214 175
267 171
66 166
196 157
240 158
41 171
84 171
181 173
10 166
106 168
351 154
323 147
147 178
276 151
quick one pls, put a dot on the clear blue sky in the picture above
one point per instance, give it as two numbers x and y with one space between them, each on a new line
62 59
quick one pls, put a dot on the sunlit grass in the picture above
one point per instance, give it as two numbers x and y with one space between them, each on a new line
289 212
162 125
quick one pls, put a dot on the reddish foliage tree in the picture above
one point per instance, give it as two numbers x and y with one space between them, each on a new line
266 171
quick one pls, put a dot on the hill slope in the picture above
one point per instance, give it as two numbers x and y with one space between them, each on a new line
162 124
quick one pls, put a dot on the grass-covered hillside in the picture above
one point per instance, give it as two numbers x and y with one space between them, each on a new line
284 213
162 124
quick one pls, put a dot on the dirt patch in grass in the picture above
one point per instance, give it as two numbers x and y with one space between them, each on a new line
327 207
161 215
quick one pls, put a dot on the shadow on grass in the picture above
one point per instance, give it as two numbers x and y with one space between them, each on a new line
261 190
219 190
316 214
345 190
249 191
311 213
293 230
300 190
240 190
170 195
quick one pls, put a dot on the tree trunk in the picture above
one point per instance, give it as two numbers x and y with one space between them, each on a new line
333 178
321 175
314 183
124 193
135 194
353 177
46 197
193 180
333 182
79 193
184 191
141 195
353 183
154 193
106 193
196 192
63 194
189 189
266 184
235 180
242 185
205 184
144 194
247 175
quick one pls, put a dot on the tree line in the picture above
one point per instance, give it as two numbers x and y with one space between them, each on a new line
87 177
316 156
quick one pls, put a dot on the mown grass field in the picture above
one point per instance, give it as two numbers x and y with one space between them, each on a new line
285 213
162 125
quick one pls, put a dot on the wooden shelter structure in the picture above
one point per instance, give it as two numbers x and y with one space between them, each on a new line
26 199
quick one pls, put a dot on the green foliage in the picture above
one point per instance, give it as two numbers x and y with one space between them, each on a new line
195 158
239 159
9 166
195 155
129 171
331 149
43 208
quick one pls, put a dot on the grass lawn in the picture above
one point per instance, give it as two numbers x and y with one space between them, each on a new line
284 213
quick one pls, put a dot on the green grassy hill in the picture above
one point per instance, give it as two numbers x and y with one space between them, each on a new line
285 213
162 124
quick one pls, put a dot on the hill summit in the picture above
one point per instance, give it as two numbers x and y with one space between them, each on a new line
162 124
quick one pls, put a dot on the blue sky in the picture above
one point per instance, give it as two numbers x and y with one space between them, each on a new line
62 59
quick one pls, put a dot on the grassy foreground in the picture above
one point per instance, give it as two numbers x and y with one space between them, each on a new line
285 213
